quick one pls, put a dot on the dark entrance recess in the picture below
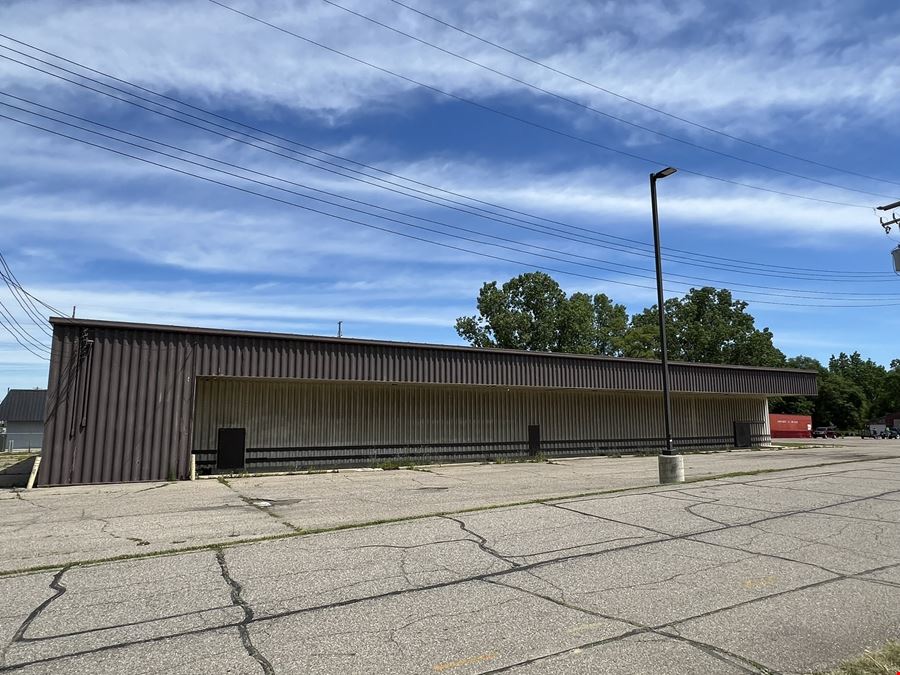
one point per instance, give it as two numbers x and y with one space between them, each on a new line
742 435
231 449
534 438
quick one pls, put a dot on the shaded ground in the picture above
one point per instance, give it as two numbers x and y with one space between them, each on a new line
776 573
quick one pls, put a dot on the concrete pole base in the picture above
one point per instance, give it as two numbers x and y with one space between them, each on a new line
671 469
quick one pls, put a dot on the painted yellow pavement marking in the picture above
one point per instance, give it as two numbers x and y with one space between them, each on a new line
441 667
760 582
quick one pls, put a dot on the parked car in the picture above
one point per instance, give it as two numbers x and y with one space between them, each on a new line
824 432
890 433
869 433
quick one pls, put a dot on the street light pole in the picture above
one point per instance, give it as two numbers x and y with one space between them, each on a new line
671 465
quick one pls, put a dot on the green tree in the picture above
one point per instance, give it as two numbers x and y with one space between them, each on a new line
805 363
707 325
522 314
890 392
592 325
868 376
798 405
840 403
532 312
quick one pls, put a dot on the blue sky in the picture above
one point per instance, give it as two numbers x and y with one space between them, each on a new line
126 240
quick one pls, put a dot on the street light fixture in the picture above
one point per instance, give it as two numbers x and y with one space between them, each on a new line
671 465
895 254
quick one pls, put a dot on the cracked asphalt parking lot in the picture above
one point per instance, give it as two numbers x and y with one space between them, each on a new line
786 572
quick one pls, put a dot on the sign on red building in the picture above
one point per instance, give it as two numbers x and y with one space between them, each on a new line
790 426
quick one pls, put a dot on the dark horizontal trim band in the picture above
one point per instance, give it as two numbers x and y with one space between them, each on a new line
255 456
490 444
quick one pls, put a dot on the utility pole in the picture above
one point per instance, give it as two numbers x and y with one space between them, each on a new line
894 219
895 254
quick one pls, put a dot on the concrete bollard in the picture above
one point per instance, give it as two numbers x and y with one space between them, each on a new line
671 469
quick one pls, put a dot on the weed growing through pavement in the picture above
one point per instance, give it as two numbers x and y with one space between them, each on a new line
884 661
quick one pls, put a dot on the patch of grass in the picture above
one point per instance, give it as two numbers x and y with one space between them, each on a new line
885 661
395 464
539 458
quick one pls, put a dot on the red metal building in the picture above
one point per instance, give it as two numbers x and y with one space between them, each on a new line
790 426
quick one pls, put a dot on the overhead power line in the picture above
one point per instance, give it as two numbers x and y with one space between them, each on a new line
532 123
41 353
23 300
385 229
20 333
646 106
32 299
609 241
597 111
793 292
29 304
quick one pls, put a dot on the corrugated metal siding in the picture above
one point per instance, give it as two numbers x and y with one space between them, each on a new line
119 406
297 414
316 421
235 354
121 397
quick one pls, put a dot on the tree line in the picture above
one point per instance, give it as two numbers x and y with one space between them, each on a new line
706 325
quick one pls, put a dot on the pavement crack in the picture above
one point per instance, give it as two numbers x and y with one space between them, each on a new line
482 542
267 510
563 603
136 540
153 487
544 657
690 509
408 547
238 601
720 654
19 636
775 556
668 535
565 549
19 496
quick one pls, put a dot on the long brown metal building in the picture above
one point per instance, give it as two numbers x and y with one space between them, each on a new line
130 402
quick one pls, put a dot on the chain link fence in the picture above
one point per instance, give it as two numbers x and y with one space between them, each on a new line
21 442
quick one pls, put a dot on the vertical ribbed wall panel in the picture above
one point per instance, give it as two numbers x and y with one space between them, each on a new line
121 399
285 414
119 408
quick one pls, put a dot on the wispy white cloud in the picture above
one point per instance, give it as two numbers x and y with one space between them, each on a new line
129 241
636 48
